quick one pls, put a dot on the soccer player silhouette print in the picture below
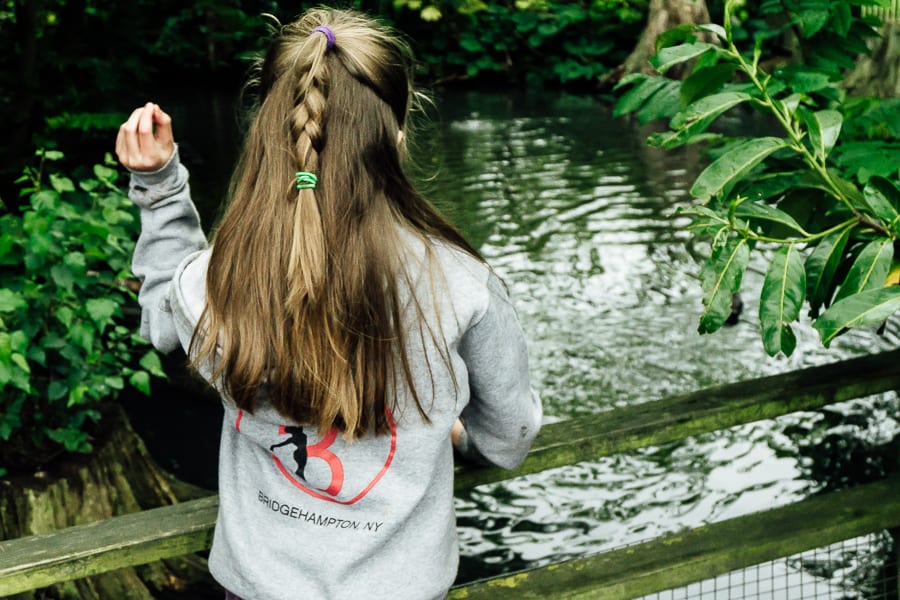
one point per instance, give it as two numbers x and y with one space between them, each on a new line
298 439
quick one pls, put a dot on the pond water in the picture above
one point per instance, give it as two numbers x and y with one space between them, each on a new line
577 214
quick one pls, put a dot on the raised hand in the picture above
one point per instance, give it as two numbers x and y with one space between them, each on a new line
145 141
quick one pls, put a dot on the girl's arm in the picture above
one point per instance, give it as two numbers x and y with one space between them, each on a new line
504 414
170 226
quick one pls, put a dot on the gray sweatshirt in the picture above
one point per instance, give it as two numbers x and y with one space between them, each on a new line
309 516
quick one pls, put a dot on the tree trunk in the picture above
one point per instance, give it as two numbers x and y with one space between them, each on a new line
878 73
664 15
118 478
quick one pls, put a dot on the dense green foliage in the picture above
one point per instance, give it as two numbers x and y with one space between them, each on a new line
822 194
70 68
66 343
531 41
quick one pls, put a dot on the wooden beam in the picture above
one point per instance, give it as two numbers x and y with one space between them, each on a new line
660 421
139 538
135 539
697 554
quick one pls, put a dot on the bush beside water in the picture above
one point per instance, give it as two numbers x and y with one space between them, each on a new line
68 317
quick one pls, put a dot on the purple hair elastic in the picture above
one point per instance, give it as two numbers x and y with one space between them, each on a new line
328 34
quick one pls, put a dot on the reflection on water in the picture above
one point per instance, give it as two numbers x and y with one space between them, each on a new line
577 214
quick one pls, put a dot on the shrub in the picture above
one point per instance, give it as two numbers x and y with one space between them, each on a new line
67 322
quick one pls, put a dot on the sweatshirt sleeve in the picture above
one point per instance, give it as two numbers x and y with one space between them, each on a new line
504 414
170 232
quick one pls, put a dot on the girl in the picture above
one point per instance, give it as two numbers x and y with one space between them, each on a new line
345 323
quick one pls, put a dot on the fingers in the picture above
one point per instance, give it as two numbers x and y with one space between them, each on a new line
145 129
164 135
126 142
138 147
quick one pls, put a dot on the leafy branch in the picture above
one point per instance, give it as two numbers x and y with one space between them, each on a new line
833 229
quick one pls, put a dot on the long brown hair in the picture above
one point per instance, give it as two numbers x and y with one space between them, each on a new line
302 287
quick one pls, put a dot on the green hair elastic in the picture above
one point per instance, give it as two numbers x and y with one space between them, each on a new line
306 181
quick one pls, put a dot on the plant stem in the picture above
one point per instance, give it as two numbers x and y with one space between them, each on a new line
796 137
848 224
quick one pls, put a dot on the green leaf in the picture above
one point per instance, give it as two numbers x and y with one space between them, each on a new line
824 129
64 315
686 32
62 276
11 301
721 277
50 154
105 174
81 335
61 184
101 310
693 121
821 267
150 362
869 270
708 108
140 380
705 81
634 98
842 18
713 28
782 296
764 212
38 355
115 382
667 58
733 165
804 81
813 19
57 390
21 362
883 197
866 308
45 200
664 103
867 158
771 185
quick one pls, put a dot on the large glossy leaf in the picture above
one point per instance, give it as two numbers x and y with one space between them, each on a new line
634 98
783 293
708 108
721 277
771 185
713 28
667 58
812 180
884 198
866 308
663 104
824 129
869 270
693 121
733 165
705 80
764 212
821 267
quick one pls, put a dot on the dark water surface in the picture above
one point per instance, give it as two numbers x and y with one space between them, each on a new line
578 216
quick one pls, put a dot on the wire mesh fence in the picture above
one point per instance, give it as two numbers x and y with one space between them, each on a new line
863 568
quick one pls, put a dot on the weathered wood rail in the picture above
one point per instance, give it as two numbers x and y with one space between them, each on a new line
135 539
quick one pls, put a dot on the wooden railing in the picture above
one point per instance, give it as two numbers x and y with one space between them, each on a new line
139 538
